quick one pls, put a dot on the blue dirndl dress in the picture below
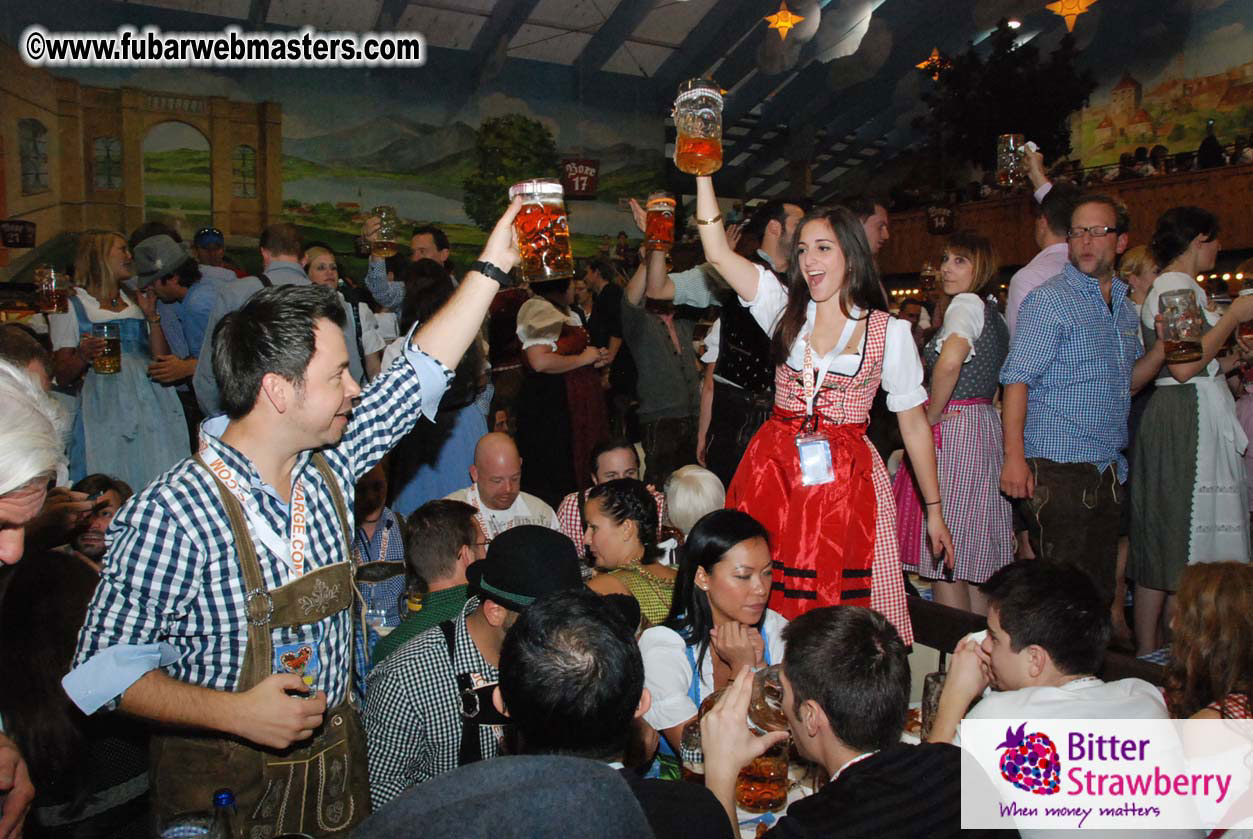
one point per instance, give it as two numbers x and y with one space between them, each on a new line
127 425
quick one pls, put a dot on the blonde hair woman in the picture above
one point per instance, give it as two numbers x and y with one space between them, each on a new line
127 425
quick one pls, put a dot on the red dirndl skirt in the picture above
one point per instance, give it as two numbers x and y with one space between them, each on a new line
822 538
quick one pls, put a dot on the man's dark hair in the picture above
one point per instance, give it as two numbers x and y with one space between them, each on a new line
273 332
861 206
852 662
19 346
1058 206
282 239
911 301
610 446
1122 218
1054 606
571 676
152 228
773 210
187 273
440 237
437 531
603 267
100 482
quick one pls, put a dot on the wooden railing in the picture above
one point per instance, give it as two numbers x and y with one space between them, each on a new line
1008 222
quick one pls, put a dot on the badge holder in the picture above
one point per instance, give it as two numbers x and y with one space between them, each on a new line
814 454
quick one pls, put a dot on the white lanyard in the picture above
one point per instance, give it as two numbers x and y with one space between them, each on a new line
809 381
291 550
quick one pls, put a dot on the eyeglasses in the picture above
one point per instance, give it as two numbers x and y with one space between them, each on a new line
1095 232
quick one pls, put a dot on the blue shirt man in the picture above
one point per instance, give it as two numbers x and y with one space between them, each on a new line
1074 363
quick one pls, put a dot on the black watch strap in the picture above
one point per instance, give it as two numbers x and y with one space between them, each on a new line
487 269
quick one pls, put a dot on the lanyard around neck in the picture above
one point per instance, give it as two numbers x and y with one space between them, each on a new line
292 550
809 381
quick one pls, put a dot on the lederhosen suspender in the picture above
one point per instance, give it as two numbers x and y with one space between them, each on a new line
477 708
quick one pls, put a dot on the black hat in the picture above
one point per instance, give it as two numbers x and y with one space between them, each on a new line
525 563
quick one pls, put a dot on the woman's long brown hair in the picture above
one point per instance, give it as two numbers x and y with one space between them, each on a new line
861 286
1211 654
91 264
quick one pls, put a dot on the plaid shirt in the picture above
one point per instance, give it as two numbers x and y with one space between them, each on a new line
413 710
1075 355
572 522
171 573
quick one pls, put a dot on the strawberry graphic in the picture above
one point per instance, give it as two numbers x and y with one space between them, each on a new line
1029 761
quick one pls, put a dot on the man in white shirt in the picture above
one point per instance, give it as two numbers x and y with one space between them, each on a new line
1048 627
497 489
1053 207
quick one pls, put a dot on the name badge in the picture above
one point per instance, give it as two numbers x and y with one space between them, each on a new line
300 658
814 452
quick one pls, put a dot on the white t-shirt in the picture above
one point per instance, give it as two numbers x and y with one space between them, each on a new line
668 673
525 509
902 368
963 318
1086 698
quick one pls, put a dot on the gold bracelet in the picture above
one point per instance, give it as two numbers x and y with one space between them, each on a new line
713 220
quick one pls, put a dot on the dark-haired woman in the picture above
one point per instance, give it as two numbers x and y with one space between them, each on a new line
1210 673
1189 501
621 517
561 409
719 621
433 462
810 473
964 358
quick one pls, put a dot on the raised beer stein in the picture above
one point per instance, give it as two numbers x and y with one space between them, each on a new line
698 123
1010 151
53 289
659 229
1183 325
543 231
389 226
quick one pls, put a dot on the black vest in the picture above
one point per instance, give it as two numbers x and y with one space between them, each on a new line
743 347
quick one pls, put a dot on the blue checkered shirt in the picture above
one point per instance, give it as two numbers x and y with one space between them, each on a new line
1075 355
171 574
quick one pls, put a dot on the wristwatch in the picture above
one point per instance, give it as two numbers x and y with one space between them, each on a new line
487 269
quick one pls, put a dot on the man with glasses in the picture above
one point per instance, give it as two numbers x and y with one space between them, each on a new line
443 539
1068 382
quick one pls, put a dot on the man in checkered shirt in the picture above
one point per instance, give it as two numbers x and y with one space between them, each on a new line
167 630
610 460
429 706
1068 382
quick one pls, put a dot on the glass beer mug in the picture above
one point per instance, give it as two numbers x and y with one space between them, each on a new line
659 229
698 123
1010 151
389 225
1183 325
543 232
53 289
762 785
109 359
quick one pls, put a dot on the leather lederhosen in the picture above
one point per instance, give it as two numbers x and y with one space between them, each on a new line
319 786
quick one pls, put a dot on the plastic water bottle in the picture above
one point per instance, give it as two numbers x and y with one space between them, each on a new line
223 815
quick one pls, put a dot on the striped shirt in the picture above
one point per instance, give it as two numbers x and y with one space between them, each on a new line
171 574
1075 354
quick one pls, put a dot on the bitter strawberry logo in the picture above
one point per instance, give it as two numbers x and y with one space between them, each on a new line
1029 761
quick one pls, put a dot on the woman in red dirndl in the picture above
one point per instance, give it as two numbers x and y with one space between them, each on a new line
810 474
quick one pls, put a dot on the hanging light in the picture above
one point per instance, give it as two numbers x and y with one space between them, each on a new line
1068 10
934 63
783 20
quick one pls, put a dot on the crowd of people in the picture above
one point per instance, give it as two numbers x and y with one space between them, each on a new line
359 549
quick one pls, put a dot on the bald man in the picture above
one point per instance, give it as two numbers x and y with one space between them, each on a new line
496 491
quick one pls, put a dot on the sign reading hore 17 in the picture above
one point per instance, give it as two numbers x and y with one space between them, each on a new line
578 177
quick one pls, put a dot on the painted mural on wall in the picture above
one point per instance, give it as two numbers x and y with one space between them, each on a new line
1153 99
